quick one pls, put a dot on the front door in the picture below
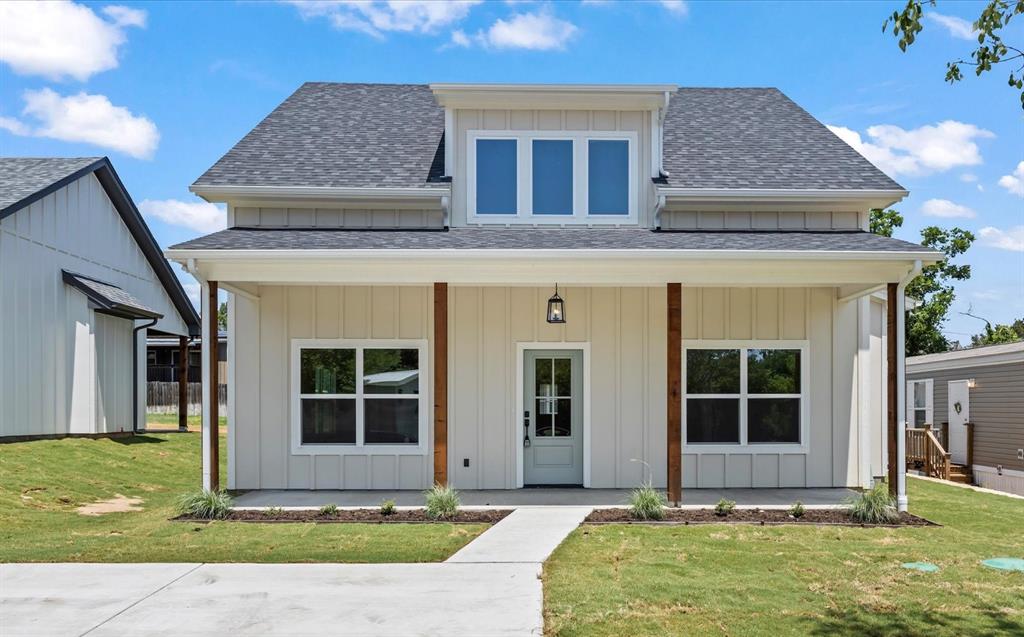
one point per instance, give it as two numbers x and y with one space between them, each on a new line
959 414
553 417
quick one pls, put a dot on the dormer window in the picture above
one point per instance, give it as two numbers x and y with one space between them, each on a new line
551 176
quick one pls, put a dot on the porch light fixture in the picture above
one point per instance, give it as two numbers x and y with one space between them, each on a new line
556 308
971 383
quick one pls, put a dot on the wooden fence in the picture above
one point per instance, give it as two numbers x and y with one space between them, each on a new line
162 398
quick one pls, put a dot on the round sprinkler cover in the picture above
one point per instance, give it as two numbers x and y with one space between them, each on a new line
924 567
1005 563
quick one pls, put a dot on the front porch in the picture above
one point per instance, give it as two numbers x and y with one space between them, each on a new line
813 498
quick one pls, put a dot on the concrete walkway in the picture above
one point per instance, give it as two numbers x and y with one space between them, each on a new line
489 588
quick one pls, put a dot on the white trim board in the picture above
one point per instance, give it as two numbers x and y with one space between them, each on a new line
517 407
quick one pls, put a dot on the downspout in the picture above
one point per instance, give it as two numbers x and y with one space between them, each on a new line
135 373
901 386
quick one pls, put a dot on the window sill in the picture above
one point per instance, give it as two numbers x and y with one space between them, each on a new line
353 450
748 449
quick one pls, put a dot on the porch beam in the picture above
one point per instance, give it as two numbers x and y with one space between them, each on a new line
441 383
674 353
891 395
182 383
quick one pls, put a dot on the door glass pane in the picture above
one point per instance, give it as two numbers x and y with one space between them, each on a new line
391 371
328 371
773 371
608 177
496 177
773 420
552 177
329 421
919 396
544 415
713 371
713 420
919 417
391 421
563 377
563 417
544 387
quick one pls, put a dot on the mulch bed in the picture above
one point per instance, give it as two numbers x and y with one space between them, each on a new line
365 516
820 517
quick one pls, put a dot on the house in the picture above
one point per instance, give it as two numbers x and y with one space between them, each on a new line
586 280
973 400
163 353
81 282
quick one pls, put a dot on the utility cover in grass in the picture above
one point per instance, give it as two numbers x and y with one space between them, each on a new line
1005 563
924 567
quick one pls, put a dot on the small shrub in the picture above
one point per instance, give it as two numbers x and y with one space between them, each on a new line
724 507
205 504
273 512
387 507
646 503
329 510
797 510
874 506
442 502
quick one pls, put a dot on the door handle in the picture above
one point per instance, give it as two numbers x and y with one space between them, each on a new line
526 429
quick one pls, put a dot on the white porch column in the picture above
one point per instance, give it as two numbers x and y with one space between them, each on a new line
207 340
901 397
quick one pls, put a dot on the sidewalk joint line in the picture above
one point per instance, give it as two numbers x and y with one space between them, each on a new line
139 601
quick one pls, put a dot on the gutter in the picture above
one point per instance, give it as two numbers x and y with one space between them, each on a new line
219 193
777 193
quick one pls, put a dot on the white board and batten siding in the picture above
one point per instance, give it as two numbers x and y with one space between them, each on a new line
625 330
63 367
377 216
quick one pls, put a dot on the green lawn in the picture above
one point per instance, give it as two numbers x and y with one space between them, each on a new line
43 482
746 580
170 421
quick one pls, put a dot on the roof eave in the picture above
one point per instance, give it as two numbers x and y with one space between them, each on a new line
871 198
222 193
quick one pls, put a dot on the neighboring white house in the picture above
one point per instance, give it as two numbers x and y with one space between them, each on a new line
713 315
81 279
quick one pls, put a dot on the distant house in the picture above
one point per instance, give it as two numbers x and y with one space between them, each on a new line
974 400
163 364
81 282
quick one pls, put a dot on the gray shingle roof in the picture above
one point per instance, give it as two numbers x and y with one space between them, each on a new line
109 297
391 135
758 138
341 135
542 238
22 177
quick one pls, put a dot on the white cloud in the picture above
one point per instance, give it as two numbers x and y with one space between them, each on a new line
126 16
987 295
459 38
946 209
86 118
1014 183
919 151
375 18
531 31
62 39
200 216
968 178
957 27
1012 239
678 7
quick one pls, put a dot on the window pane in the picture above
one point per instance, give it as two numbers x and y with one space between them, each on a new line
563 377
773 371
713 420
328 421
542 366
328 371
919 395
496 177
713 371
545 416
919 417
563 417
608 177
391 371
773 420
391 420
552 177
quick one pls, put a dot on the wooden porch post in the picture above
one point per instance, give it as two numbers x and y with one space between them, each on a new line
674 353
212 427
892 379
441 383
182 383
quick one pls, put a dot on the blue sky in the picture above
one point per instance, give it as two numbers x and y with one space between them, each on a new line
165 89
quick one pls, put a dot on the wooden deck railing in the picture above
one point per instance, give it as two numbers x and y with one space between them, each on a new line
926 453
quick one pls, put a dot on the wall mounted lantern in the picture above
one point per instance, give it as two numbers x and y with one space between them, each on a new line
556 308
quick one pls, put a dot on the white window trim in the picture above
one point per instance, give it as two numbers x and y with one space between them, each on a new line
524 177
745 447
359 447
929 402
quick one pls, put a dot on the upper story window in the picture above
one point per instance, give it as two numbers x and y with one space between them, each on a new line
552 176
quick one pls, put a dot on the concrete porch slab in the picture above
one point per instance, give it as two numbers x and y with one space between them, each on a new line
514 498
